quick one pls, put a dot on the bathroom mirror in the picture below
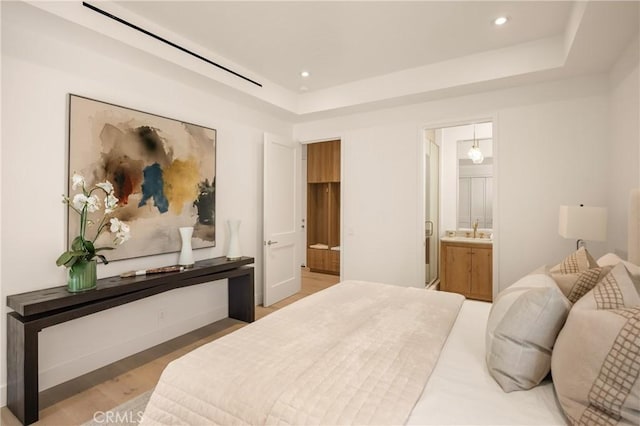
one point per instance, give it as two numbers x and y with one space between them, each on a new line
475 183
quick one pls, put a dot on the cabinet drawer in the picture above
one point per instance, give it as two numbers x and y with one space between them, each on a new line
334 261
317 259
327 261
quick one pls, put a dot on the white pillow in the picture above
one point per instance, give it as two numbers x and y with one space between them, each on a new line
523 324
596 358
612 259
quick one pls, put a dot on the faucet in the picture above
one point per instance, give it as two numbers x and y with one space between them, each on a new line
475 228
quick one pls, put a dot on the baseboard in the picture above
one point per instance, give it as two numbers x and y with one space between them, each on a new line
87 363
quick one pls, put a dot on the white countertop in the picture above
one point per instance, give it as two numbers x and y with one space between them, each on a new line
467 240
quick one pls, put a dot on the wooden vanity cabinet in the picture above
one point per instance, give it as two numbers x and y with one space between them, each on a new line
467 268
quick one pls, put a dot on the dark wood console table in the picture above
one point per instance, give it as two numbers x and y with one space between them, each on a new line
36 310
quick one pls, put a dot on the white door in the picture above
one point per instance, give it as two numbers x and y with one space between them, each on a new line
280 253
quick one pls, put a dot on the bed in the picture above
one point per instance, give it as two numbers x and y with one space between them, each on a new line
373 353
461 391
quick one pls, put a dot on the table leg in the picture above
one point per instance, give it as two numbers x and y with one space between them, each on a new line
22 369
242 297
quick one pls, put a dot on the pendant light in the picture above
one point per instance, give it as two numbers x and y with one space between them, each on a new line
474 153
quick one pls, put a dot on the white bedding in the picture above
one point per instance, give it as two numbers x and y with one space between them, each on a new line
356 353
357 379
460 390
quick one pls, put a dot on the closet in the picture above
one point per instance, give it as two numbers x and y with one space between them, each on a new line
323 207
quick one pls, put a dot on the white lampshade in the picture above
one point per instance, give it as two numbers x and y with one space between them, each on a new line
584 223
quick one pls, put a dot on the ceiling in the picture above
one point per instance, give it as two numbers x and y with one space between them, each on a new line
361 55
342 42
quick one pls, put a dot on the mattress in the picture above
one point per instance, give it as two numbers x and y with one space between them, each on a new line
460 390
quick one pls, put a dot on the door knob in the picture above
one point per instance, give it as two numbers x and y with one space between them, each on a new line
271 242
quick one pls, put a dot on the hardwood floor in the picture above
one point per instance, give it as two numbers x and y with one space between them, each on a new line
76 401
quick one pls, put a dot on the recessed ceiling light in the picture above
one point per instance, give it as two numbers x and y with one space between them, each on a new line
501 20
305 74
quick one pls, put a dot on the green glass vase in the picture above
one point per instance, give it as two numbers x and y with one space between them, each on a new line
82 276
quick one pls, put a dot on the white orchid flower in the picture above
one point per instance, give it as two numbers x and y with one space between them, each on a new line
115 224
84 203
106 186
93 204
77 181
110 203
79 201
121 229
124 234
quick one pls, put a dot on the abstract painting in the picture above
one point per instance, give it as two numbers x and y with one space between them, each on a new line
163 172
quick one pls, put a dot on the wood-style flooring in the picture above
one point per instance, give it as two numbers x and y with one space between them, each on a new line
75 402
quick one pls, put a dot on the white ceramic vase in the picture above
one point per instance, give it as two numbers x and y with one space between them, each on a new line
234 240
186 252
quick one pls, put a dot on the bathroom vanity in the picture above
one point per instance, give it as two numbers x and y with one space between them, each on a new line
466 267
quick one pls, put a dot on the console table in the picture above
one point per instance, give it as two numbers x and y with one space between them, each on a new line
36 310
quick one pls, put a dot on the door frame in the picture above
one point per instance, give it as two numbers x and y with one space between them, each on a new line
423 172
303 200
421 158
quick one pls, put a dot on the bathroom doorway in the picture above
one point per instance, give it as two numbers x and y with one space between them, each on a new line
458 189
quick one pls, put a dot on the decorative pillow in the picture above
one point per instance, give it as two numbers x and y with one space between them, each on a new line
585 281
522 327
596 359
612 259
578 261
577 274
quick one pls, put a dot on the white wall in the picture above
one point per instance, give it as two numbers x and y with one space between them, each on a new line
624 145
549 146
379 180
38 73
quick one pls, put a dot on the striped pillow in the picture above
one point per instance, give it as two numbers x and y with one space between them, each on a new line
577 274
596 359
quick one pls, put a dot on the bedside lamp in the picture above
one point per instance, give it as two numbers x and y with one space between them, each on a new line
583 223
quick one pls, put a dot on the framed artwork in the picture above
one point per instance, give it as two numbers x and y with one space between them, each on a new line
163 172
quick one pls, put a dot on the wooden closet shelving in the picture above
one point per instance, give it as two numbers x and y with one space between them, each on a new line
323 207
